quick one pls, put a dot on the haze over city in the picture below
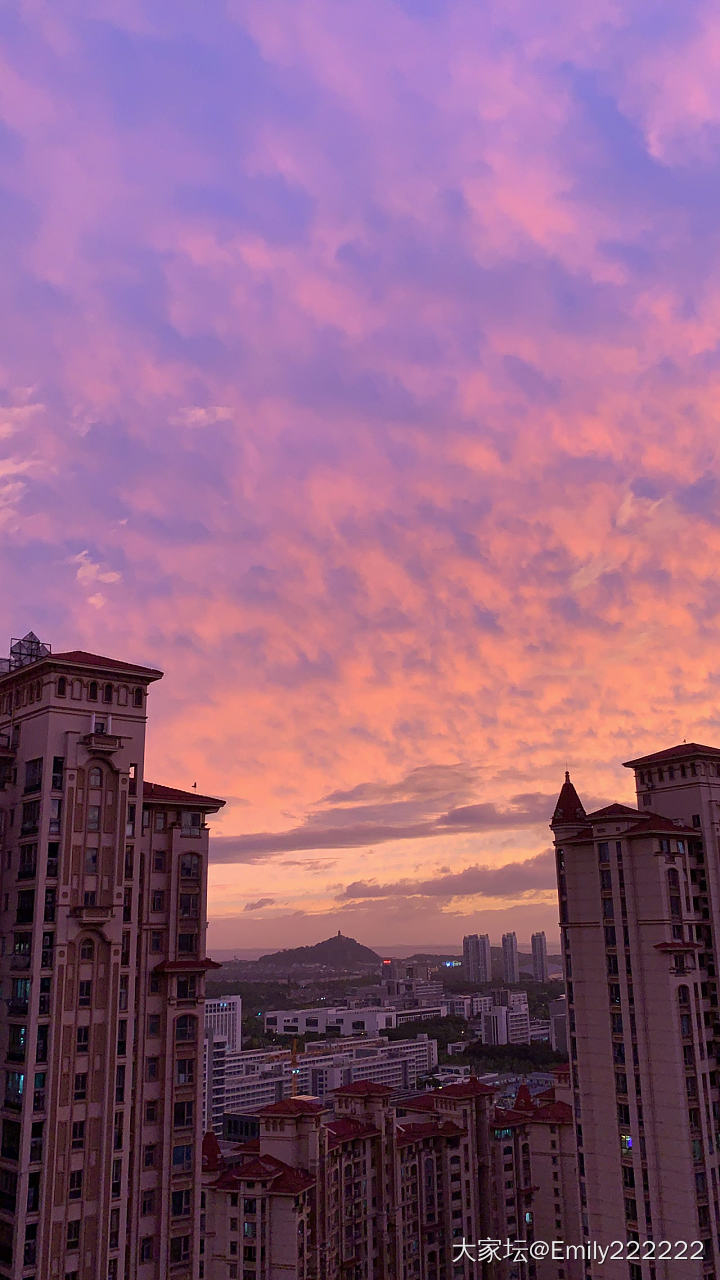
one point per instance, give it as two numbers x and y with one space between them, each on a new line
359 370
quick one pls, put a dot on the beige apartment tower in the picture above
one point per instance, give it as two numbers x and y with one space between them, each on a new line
103 902
639 892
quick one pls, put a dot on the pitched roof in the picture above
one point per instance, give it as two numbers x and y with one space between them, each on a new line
292 1107
554 1113
470 1088
523 1099
615 811
568 809
683 751
415 1132
281 1178
156 792
347 1129
211 1153
81 658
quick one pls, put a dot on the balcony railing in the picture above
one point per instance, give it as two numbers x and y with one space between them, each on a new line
104 742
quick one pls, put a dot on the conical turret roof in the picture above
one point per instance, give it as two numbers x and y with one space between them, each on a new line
568 810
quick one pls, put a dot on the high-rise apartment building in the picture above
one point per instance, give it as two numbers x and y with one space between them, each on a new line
362 1188
539 957
224 1017
511 965
477 960
639 892
102 920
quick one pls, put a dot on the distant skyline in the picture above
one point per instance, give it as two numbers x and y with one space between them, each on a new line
359 367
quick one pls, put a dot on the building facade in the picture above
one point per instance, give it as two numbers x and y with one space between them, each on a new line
223 1016
103 915
511 964
639 892
360 1190
539 957
477 960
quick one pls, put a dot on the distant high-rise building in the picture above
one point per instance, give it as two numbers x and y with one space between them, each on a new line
477 959
511 966
639 892
558 1025
539 957
102 916
224 1016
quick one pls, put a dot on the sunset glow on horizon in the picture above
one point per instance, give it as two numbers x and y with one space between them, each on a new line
360 368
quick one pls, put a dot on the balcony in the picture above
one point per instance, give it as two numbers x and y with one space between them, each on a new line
105 743
92 913
16 1005
20 962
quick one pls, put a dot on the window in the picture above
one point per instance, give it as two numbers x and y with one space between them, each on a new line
181 1203
186 987
57 772
153 1024
53 854
147 1205
49 911
33 775
78 1135
120 1084
187 944
87 949
151 1112
114 1240
130 824
93 820
28 862
160 820
185 1071
107 693
189 905
62 687
182 1157
80 1087
82 1040
72 1240
55 815
25 906
146 1249
190 866
91 861
84 993
156 941
180 1249
185 1028
159 860
75 1184
149 1155
137 697
93 691
183 1114
152 1069
158 900
190 823
30 817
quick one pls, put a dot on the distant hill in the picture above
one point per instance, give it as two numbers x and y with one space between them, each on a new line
337 952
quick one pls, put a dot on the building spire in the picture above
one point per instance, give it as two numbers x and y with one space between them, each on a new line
568 810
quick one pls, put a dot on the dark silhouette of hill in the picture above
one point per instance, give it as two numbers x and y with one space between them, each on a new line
337 952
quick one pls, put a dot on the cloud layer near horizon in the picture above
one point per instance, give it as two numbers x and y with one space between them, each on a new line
359 365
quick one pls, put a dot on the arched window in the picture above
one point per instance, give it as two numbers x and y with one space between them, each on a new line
107 693
137 697
95 779
62 686
87 949
93 691
186 1028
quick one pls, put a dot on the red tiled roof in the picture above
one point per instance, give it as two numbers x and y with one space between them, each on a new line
682 751
365 1088
80 658
509 1117
155 792
615 811
347 1129
421 1101
292 1107
554 1113
470 1088
651 822
415 1132
523 1099
281 1178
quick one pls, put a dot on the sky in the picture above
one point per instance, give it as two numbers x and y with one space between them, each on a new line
360 367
